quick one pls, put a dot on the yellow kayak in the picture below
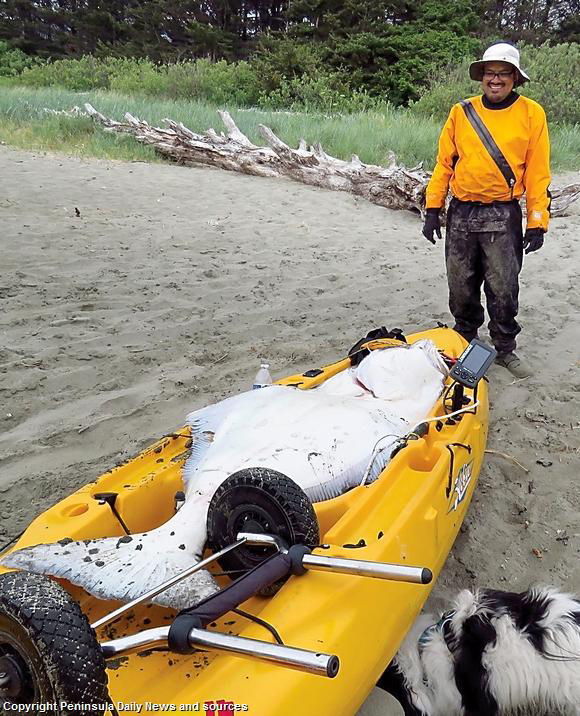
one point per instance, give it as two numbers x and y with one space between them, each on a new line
409 516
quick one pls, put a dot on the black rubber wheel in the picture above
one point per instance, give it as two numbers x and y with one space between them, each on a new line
259 500
48 651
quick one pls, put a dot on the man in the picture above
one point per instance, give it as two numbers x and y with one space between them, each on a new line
484 241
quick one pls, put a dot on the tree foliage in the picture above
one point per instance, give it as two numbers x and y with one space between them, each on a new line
533 21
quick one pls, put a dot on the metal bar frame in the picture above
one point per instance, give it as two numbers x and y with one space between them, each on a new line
292 657
311 662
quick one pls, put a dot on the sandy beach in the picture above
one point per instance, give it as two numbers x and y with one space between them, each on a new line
133 293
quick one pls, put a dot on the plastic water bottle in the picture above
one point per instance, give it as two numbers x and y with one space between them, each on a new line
263 377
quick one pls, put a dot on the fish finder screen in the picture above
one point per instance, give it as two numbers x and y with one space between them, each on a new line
475 358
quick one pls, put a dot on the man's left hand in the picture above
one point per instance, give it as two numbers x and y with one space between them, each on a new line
533 240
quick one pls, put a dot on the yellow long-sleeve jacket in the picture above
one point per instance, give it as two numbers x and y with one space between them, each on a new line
464 165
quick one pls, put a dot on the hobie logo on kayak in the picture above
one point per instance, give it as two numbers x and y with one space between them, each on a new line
461 484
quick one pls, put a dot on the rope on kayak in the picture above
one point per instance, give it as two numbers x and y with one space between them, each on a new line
450 447
227 572
467 409
261 622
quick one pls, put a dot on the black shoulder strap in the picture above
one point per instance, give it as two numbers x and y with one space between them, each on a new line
489 143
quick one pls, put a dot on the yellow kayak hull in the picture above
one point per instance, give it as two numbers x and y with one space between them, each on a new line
410 515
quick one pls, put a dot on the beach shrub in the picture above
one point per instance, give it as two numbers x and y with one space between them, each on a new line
447 87
83 74
123 74
14 61
215 82
298 76
133 76
555 73
278 60
326 92
220 83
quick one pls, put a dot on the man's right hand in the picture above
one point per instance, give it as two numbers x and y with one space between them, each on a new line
432 225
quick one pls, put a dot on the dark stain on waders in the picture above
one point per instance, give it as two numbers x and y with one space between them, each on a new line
484 245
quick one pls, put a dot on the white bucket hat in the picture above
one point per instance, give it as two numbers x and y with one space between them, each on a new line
500 52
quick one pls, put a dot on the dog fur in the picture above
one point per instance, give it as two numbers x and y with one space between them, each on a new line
495 653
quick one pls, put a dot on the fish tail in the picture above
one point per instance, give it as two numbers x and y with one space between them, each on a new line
119 568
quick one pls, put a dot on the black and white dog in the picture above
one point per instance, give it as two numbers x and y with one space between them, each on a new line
493 653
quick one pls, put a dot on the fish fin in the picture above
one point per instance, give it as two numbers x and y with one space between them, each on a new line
204 425
209 422
120 568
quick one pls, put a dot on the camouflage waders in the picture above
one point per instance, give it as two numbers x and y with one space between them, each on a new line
484 244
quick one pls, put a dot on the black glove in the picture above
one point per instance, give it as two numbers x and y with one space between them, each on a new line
533 240
432 224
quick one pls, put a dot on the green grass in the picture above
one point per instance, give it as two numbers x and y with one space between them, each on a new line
72 136
370 135
565 143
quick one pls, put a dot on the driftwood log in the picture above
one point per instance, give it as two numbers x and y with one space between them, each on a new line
392 186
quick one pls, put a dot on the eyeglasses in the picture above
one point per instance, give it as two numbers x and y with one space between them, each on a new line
504 75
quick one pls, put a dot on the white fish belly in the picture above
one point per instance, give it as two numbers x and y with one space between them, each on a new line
323 439
313 444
